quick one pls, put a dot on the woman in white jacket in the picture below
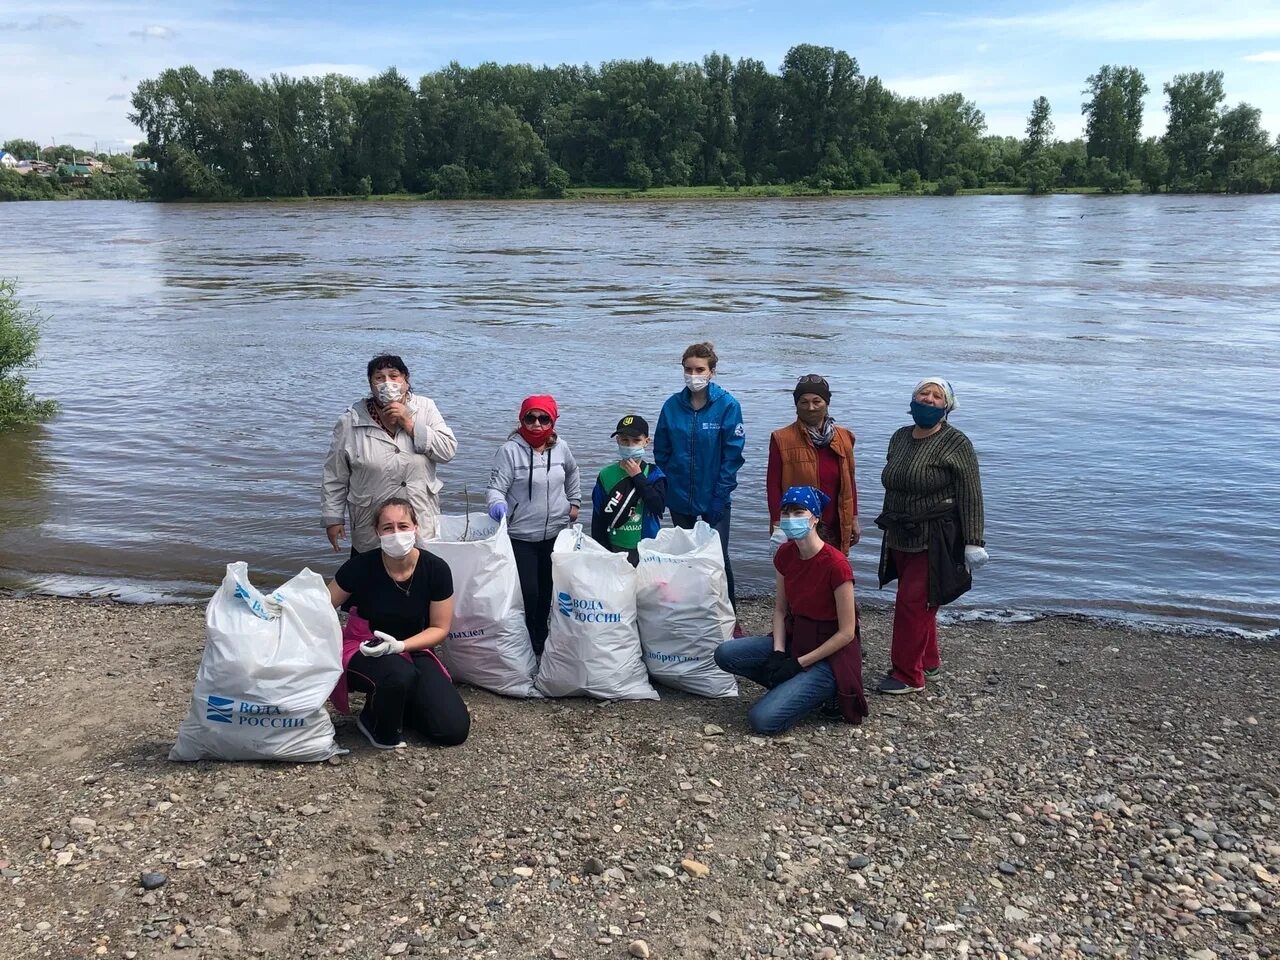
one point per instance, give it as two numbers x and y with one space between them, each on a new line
385 445
535 485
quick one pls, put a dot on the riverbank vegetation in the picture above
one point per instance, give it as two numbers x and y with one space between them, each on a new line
817 125
19 336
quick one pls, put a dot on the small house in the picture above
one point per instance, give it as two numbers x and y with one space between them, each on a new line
8 160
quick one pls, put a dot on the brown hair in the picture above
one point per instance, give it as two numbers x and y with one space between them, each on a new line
394 502
703 351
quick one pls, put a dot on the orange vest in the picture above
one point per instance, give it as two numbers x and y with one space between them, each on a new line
800 468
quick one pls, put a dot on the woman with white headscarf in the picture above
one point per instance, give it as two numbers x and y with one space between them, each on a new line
933 527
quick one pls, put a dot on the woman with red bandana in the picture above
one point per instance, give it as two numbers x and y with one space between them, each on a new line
534 484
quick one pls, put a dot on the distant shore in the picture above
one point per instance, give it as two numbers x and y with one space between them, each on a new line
1065 789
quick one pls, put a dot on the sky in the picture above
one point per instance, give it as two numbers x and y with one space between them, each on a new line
68 67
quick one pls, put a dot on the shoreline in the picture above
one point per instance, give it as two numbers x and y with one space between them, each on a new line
877 605
1065 790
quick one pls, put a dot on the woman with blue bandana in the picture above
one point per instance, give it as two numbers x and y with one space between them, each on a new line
814 656
933 525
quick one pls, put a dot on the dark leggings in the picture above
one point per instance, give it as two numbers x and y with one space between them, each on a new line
533 564
417 695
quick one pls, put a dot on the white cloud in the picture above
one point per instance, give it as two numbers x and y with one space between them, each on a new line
154 32
931 85
47 22
1266 56
1151 20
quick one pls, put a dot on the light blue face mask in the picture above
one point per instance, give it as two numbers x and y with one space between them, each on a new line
796 528
630 453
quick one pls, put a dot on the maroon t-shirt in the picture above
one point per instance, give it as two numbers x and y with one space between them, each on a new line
811 584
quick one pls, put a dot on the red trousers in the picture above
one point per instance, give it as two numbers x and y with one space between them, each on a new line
915 623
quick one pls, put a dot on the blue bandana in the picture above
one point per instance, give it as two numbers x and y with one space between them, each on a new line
812 499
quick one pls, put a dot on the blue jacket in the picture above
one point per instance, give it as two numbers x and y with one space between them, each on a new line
700 451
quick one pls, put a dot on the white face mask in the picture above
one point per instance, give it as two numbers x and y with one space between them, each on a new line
389 391
398 544
696 384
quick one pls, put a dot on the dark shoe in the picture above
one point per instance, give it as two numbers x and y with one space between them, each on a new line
894 685
374 740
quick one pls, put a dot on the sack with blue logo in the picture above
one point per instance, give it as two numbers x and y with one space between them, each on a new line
269 664
488 644
683 609
593 649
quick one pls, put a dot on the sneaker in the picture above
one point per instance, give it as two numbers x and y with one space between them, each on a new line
373 740
933 673
894 685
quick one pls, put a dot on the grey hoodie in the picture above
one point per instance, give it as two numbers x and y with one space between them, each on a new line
538 488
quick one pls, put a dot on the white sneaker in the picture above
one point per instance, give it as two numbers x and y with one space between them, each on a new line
370 737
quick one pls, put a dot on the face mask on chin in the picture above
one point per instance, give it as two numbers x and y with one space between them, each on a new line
398 544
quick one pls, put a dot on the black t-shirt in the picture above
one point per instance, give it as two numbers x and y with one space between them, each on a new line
383 603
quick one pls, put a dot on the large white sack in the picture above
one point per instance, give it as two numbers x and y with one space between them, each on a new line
683 609
488 644
593 649
269 664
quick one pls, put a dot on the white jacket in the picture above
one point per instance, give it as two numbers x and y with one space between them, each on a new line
366 466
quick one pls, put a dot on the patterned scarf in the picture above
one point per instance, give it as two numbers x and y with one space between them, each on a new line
823 435
375 411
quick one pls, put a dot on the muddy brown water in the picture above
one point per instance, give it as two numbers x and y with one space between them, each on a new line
1115 360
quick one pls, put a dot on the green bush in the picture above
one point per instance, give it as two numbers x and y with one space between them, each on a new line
639 175
557 183
452 181
948 186
909 181
19 335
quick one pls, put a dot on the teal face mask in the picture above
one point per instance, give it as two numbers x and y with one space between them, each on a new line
796 528
630 453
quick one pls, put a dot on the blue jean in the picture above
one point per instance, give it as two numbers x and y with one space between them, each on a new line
686 522
786 704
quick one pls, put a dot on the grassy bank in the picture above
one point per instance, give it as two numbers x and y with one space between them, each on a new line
679 193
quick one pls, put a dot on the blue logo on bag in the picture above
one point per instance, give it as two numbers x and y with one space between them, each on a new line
586 611
220 709
566 604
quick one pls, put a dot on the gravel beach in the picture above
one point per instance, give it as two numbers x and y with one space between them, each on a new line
1066 789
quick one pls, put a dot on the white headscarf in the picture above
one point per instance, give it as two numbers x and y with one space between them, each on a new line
938 382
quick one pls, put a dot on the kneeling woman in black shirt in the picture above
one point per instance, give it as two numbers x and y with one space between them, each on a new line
406 594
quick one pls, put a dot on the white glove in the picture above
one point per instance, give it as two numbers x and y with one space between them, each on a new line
778 536
389 646
974 557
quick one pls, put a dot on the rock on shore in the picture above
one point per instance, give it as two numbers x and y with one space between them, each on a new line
1065 790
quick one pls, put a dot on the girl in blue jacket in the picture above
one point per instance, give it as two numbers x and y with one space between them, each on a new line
698 445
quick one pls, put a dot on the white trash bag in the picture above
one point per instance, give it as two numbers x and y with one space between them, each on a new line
269 664
682 604
593 649
488 644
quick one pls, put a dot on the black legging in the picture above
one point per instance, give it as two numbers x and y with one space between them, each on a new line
533 564
417 695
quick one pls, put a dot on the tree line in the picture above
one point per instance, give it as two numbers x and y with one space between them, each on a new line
510 130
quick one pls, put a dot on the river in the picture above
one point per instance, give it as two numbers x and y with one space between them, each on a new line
1116 362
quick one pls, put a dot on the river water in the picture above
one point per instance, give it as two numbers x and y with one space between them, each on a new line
1116 361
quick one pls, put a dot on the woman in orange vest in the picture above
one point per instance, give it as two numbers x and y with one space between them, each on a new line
815 452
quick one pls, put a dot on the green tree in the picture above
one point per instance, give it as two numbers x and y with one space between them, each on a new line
1194 101
757 110
1113 112
1239 144
1153 165
1039 126
909 181
23 149
19 337
1041 173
